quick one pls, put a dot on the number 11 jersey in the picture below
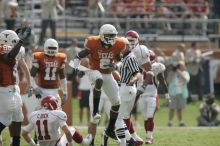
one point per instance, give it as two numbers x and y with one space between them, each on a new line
48 69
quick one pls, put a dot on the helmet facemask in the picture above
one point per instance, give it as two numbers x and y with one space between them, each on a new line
133 42
51 51
108 39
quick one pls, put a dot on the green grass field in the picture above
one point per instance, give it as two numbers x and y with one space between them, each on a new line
191 135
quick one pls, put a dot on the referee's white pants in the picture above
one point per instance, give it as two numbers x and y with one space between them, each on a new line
127 94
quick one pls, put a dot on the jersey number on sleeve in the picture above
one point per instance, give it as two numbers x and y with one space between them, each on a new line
50 73
40 136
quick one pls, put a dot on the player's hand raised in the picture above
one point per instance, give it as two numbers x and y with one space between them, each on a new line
23 33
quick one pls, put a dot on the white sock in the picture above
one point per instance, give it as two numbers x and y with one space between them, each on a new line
123 142
149 134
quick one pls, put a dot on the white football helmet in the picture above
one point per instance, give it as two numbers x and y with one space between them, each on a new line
142 54
51 47
133 38
8 37
108 34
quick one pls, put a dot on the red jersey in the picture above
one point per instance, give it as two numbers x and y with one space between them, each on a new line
48 69
101 56
8 70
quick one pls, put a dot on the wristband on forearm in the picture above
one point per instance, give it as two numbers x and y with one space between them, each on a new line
63 85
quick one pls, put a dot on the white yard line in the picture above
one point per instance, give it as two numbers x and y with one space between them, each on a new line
160 127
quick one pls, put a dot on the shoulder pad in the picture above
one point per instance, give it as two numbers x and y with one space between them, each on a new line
61 56
60 114
37 54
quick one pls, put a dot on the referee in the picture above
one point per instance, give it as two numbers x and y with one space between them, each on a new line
130 74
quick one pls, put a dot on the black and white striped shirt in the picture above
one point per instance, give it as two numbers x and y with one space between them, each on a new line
129 67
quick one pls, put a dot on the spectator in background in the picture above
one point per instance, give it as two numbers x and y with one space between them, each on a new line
84 89
163 12
10 13
49 16
193 58
71 52
199 10
209 112
180 10
178 92
178 54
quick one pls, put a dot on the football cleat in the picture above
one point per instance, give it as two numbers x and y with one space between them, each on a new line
112 135
139 141
96 118
131 142
149 141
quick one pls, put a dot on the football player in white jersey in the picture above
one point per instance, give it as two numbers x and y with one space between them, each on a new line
46 123
12 55
142 54
149 98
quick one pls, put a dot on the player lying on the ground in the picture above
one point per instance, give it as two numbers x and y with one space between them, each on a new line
46 123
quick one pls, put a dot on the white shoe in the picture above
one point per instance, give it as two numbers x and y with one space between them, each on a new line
149 141
96 118
87 140
139 141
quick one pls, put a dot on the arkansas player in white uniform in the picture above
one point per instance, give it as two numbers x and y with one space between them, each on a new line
46 123
142 54
149 98
12 55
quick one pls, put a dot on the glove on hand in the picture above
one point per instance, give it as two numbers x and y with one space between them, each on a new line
80 73
63 99
38 93
29 91
23 33
140 90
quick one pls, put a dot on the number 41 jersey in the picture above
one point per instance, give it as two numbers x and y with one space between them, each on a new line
48 69
46 124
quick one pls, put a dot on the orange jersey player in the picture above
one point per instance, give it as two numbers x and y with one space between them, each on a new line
104 50
12 56
49 67
102 57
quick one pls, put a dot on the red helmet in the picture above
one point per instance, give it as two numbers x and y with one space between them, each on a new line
133 37
152 55
49 102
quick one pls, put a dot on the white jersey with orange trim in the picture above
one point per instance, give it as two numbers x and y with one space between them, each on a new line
151 89
46 124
